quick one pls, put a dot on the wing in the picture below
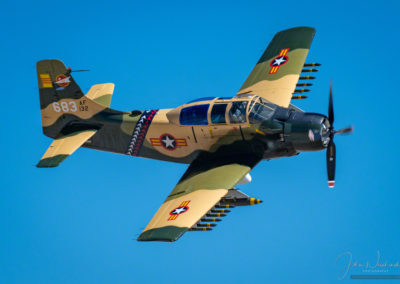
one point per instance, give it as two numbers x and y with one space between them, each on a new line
64 146
203 185
276 73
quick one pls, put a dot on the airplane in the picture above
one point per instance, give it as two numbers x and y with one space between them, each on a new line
221 138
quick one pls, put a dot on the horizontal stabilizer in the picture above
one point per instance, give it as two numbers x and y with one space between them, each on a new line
101 93
64 146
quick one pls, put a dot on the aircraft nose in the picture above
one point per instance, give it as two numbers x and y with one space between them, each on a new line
325 132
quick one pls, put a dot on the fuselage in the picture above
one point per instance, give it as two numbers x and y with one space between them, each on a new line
246 124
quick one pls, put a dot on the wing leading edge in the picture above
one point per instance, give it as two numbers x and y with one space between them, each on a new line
202 186
276 73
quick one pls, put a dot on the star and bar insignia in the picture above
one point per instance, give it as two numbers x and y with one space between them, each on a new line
182 208
278 61
168 142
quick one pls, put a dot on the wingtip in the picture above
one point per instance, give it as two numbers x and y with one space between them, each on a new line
44 164
312 29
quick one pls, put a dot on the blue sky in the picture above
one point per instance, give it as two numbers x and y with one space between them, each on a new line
78 223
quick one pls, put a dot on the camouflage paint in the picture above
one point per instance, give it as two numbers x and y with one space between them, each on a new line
278 87
220 155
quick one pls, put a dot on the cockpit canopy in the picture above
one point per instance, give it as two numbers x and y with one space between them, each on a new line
242 109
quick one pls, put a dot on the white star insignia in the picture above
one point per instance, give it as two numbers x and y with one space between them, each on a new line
279 61
169 143
179 210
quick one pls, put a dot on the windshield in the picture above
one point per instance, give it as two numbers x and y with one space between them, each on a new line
260 112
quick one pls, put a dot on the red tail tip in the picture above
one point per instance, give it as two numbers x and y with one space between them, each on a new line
331 183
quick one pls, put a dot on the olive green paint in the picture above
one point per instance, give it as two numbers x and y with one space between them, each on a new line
210 179
298 40
165 234
51 162
104 100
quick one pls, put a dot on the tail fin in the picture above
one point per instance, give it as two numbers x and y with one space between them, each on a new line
62 102
67 114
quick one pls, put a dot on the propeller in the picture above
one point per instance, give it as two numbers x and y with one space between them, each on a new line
331 149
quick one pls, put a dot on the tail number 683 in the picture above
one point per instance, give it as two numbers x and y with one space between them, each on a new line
65 107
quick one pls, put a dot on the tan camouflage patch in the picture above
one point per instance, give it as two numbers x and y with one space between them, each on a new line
82 108
278 91
63 147
201 201
101 93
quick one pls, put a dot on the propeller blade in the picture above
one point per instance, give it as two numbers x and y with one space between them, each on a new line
345 130
331 116
330 163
